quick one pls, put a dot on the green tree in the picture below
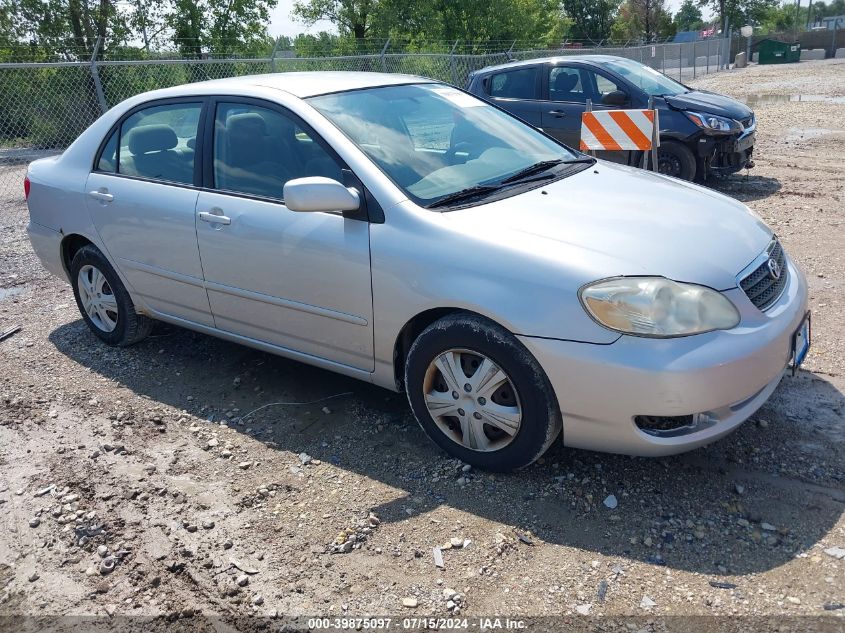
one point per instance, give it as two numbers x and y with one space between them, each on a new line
420 23
645 20
739 12
221 27
591 19
351 17
67 28
322 44
688 17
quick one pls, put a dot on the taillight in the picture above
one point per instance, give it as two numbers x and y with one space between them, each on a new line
26 186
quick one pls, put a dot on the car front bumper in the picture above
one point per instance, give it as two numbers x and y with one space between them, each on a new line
727 154
720 377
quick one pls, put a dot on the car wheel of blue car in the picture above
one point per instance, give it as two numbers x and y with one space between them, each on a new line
675 159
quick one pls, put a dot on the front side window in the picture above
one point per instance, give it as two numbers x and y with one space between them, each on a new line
257 150
576 85
433 140
568 84
108 159
515 84
159 142
645 78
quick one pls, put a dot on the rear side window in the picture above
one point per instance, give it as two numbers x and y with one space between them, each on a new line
159 143
515 84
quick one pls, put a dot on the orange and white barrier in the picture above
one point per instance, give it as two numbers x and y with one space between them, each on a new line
617 130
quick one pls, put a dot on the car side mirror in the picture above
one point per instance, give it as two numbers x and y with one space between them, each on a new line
316 193
615 98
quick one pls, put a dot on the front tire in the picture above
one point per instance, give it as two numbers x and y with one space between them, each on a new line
675 159
480 395
103 300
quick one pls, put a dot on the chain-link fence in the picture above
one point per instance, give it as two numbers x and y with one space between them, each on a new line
45 106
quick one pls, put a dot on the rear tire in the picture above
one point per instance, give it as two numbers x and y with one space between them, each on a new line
103 300
492 405
675 159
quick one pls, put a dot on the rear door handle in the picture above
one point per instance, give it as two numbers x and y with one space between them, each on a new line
101 195
213 218
558 114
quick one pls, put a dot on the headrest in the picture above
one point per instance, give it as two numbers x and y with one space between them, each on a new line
564 82
246 124
280 127
151 138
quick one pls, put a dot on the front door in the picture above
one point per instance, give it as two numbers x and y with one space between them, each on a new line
569 88
561 114
141 198
300 281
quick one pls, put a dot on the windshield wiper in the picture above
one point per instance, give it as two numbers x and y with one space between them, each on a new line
465 194
542 166
536 168
522 176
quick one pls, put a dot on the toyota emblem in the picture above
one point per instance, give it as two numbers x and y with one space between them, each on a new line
774 268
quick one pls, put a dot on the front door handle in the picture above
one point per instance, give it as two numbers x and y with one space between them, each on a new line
102 195
214 218
558 114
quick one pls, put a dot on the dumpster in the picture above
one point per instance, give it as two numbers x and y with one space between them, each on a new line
774 52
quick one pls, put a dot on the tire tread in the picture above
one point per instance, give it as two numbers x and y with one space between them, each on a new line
132 327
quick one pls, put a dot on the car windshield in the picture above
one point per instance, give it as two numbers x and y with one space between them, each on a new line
647 79
434 141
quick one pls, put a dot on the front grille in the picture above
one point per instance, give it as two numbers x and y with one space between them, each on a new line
761 285
660 424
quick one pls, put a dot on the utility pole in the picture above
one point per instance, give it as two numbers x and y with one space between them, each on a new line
143 15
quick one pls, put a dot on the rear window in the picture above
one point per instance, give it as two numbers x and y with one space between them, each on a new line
515 84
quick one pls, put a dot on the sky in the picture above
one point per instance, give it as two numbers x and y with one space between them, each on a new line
281 22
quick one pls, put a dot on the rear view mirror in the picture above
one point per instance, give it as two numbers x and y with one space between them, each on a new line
319 194
615 98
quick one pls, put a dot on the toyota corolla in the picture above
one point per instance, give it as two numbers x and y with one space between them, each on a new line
406 233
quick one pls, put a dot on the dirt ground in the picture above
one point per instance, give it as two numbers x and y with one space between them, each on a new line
138 482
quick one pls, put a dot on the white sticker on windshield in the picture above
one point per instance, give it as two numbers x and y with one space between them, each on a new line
460 99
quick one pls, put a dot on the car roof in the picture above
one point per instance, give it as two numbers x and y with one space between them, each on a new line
306 84
585 59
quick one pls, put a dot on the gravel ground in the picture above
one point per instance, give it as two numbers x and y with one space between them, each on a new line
137 482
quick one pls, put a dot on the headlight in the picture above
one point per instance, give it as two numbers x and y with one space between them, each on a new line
714 123
657 307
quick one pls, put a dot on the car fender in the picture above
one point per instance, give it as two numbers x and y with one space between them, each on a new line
422 263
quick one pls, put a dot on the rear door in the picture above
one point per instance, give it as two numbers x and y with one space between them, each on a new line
141 198
517 90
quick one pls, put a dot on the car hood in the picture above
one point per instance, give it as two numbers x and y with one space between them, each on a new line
710 103
614 220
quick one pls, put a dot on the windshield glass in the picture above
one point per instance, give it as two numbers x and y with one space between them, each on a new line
647 79
433 140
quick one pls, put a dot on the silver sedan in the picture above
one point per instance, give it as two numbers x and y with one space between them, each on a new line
403 232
